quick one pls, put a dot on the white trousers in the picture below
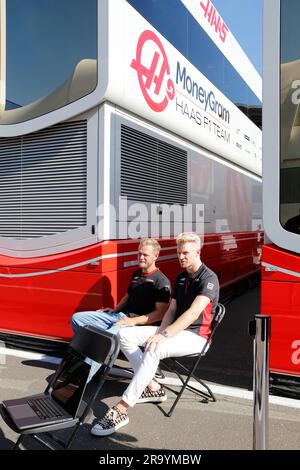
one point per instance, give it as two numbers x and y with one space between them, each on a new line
145 364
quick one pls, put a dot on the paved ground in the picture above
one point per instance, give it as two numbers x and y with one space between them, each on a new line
226 424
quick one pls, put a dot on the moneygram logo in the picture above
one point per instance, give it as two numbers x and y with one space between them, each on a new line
153 71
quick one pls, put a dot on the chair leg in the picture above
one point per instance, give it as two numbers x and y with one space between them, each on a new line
72 437
209 391
16 446
185 384
169 414
46 444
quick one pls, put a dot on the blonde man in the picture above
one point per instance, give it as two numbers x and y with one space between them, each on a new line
184 330
146 300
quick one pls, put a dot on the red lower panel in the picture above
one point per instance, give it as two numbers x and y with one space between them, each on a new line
281 300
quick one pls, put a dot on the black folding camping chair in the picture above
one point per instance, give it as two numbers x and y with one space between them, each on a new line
89 342
174 364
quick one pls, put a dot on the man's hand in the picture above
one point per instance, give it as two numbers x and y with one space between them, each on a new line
126 321
154 342
106 310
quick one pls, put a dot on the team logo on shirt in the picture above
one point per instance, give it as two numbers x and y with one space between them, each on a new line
210 286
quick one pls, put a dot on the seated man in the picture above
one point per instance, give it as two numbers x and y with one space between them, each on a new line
184 330
146 300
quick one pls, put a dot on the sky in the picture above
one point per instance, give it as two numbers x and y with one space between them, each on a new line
244 19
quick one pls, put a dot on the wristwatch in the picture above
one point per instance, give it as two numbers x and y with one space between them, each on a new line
165 333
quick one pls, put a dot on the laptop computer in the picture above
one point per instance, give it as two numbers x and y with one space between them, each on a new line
61 403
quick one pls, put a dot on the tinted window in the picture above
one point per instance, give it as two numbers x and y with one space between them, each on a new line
290 117
50 56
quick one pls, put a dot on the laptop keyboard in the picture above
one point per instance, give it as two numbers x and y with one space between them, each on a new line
44 408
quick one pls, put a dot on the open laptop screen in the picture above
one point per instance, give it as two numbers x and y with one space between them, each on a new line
70 383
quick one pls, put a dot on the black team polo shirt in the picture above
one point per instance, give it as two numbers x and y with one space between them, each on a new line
145 290
187 288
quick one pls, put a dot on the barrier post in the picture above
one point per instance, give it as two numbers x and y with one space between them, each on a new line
261 328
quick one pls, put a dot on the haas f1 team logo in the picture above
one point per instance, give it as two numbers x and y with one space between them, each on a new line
153 70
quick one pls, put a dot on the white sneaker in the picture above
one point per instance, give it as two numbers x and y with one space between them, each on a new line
153 396
110 423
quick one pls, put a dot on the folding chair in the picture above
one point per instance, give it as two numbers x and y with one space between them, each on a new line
89 342
173 363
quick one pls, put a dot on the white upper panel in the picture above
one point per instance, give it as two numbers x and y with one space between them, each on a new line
148 76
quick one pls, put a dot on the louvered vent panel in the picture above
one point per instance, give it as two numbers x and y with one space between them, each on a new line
172 168
152 170
43 182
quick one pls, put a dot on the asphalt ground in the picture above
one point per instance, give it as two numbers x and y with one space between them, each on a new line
194 425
